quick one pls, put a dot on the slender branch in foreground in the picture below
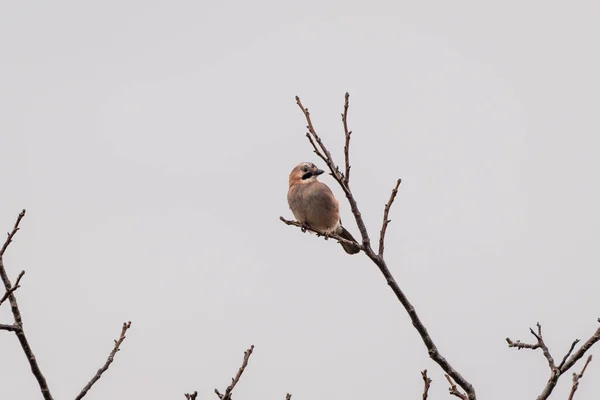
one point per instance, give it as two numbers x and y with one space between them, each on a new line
454 390
347 134
386 221
577 377
320 233
432 349
234 381
191 396
12 289
426 384
18 325
567 362
109 360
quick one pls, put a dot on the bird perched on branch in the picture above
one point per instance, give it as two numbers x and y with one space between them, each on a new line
313 203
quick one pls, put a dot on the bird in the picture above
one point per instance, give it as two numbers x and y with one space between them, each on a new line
313 204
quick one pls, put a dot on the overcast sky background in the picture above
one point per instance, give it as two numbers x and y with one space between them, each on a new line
151 143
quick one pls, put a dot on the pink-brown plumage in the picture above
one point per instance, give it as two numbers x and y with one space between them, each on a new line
313 203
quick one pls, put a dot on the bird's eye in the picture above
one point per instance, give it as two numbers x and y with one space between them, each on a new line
304 169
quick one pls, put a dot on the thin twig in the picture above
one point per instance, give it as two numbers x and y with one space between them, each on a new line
432 349
322 151
562 363
320 233
315 148
454 390
519 345
10 328
35 368
12 233
347 134
234 381
582 349
109 360
12 289
386 221
191 396
426 384
577 377
567 362
311 130
543 346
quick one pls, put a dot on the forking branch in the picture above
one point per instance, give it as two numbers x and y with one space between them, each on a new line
343 179
569 359
18 320
17 325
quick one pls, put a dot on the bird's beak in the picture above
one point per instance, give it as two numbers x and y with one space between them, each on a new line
318 172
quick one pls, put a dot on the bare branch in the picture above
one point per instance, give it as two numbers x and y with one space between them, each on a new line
432 349
12 289
519 345
18 325
326 155
191 396
562 363
109 360
386 221
10 328
543 346
347 134
426 384
567 362
12 233
577 377
320 233
316 149
235 380
581 351
454 390
539 345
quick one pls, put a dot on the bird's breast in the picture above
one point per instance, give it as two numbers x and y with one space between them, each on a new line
315 205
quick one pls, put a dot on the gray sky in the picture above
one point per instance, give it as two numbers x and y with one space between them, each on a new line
150 143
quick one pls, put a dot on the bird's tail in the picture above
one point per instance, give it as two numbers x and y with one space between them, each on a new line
350 249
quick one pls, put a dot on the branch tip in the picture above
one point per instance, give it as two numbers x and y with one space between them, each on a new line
236 379
109 360
386 220
426 384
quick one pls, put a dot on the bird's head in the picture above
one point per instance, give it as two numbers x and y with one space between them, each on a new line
304 172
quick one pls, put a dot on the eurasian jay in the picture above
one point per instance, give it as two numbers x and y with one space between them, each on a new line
313 203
